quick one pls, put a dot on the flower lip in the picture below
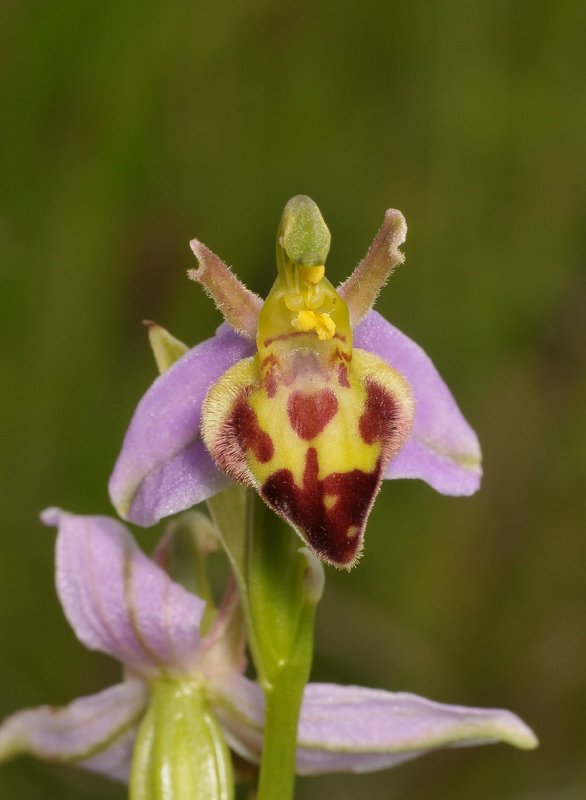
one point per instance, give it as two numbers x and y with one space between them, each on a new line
319 472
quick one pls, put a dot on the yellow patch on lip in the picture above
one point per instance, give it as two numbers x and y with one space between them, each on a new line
315 447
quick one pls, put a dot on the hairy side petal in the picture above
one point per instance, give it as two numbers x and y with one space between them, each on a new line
361 289
238 305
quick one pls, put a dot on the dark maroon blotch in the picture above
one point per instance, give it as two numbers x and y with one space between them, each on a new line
249 434
269 367
381 414
326 529
310 412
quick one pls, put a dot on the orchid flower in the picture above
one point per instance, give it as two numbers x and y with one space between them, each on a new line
311 398
185 693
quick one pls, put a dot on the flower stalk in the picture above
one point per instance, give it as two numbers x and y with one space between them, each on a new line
285 585
280 585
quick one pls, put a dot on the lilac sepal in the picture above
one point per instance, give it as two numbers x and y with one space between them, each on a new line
119 601
163 466
352 729
442 449
96 732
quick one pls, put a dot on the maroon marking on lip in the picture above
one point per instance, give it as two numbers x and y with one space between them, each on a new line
310 412
381 416
269 361
341 354
342 371
334 532
269 366
270 384
249 434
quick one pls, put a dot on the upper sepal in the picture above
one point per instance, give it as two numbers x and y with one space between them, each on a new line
442 449
354 729
95 732
119 601
163 466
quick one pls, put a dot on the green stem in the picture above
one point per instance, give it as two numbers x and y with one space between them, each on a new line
283 697
282 602
277 769
279 589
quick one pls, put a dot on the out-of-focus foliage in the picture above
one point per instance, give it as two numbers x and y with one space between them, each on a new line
128 128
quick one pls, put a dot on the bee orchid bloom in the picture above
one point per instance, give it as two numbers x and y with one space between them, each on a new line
311 398
120 602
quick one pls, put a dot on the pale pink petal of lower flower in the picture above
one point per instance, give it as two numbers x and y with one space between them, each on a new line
119 601
95 732
163 466
351 729
442 449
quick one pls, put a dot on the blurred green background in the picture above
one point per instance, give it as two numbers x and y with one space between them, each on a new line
127 129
